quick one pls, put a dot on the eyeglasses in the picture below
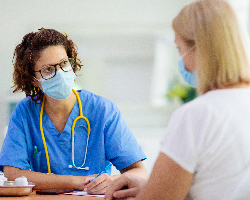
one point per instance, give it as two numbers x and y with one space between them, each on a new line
49 71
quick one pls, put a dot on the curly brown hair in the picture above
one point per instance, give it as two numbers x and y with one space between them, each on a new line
28 52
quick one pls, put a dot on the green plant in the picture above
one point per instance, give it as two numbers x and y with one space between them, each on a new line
183 92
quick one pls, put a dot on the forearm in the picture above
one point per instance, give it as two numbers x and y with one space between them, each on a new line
45 181
168 180
137 169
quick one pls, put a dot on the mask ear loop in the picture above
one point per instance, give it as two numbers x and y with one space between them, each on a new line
188 51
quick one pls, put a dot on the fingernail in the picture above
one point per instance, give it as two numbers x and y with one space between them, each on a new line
85 189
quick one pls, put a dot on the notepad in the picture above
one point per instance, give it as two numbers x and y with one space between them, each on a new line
85 194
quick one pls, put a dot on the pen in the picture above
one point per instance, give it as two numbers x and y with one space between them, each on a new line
103 171
35 151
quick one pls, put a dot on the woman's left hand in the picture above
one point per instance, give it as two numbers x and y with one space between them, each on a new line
97 186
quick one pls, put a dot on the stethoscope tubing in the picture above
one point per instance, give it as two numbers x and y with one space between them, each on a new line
73 136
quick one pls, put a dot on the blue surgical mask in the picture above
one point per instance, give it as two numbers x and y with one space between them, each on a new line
60 86
188 77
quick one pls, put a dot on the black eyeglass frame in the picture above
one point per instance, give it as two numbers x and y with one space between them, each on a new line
71 61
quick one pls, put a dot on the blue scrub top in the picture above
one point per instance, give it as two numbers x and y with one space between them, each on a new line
110 139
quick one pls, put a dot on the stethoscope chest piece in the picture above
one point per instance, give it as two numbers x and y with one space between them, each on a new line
85 168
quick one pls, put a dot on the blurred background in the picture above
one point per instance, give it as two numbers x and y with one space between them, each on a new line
127 49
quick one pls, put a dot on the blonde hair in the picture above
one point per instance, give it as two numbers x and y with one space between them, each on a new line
221 59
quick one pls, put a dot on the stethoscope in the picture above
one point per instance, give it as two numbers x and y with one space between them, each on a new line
73 136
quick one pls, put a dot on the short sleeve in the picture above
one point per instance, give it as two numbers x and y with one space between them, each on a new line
122 148
185 135
14 150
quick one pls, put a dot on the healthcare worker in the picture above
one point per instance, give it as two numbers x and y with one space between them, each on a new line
205 152
58 137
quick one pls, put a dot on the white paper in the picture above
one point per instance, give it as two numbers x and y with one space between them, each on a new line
85 194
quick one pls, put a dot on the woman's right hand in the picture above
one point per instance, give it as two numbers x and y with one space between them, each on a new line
127 186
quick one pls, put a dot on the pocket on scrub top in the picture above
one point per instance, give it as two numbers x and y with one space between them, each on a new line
37 161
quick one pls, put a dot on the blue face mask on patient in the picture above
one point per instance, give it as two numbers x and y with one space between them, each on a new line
188 77
60 86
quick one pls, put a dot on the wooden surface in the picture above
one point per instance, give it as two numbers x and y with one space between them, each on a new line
33 195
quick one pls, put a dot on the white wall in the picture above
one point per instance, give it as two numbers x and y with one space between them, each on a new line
116 41
103 30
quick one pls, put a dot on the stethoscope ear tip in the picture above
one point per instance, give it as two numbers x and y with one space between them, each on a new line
70 166
86 168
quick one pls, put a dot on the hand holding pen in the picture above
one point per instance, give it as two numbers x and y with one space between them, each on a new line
103 171
99 184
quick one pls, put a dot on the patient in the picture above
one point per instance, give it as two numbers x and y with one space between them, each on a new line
205 151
